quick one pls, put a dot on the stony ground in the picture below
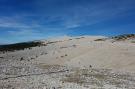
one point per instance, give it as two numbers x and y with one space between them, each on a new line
20 70
60 77
24 74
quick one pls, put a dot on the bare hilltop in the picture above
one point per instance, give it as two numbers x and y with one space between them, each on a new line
83 62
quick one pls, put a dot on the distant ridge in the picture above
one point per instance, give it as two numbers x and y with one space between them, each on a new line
23 45
123 37
19 46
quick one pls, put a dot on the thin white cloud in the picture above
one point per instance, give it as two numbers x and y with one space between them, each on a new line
13 25
80 15
16 22
24 32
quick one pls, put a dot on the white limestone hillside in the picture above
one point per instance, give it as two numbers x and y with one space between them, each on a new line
86 62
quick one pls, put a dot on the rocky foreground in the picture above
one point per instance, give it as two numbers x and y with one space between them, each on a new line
88 62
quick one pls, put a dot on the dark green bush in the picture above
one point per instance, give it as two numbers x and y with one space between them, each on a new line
19 46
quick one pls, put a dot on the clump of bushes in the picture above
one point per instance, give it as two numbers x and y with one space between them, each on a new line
63 47
123 37
74 45
99 40
66 55
70 39
1 57
77 38
21 59
63 55
19 46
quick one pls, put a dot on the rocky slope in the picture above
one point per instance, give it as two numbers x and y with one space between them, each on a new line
87 62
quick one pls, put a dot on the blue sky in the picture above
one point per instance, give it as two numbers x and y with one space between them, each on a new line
24 20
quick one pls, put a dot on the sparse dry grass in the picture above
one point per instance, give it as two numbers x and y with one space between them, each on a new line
98 78
132 41
45 66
